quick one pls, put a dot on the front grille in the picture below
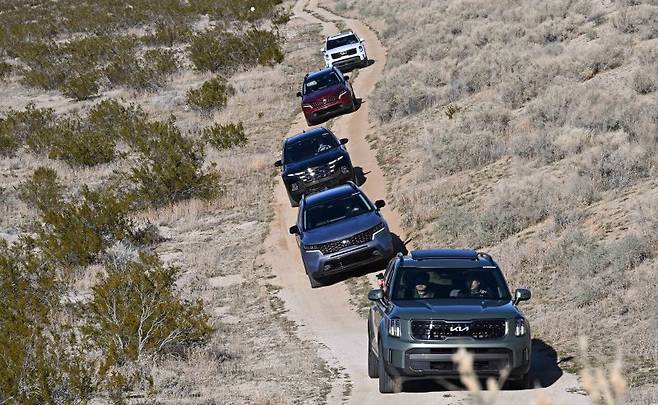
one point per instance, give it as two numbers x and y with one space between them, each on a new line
314 174
324 101
355 240
347 62
349 259
440 330
343 53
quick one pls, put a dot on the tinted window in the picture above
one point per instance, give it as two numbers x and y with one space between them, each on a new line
342 41
335 210
420 283
308 147
320 82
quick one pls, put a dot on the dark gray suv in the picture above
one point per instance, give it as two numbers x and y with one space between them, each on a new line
340 230
434 302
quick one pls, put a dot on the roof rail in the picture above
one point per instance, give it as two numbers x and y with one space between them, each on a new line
424 254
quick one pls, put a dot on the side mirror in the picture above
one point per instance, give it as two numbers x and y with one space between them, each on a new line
299 94
343 141
375 294
294 230
278 163
521 294
379 204
346 77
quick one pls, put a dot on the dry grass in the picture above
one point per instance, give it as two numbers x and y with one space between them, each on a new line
530 129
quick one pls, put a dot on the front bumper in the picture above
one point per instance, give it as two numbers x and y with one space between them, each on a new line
348 62
377 251
329 109
426 359
332 180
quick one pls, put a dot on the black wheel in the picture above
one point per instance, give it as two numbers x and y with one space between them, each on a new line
314 283
387 383
373 371
520 383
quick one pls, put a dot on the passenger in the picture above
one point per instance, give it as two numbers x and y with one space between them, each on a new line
475 287
422 290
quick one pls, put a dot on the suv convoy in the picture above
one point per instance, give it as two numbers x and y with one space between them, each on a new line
344 50
339 230
434 302
312 161
326 93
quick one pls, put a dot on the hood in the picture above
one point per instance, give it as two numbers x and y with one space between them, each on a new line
343 48
320 159
324 93
455 309
342 229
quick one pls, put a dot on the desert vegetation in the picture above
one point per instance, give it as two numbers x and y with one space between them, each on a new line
131 221
529 129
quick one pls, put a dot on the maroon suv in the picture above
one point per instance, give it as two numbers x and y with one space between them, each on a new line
326 93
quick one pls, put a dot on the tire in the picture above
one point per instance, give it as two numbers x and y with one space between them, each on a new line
520 383
315 283
373 370
387 383
353 106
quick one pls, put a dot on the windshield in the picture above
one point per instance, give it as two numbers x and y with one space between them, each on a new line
335 210
342 41
413 283
309 147
320 82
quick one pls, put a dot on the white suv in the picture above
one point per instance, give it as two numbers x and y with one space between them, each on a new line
345 50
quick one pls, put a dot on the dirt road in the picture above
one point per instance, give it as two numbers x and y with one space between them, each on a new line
324 315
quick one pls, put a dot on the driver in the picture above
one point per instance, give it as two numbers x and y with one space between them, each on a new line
421 290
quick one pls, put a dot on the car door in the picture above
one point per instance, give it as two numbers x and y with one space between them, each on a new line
300 219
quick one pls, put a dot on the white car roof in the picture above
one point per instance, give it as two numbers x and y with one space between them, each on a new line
341 34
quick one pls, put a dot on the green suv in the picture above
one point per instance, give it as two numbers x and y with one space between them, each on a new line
436 301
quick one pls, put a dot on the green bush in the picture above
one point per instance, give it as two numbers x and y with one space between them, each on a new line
225 136
8 143
119 122
227 52
135 313
147 73
36 127
41 358
212 95
168 33
82 86
5 70
42 190
79 145
170 168
75 233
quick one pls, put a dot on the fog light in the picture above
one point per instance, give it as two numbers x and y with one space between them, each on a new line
519 329
344 169
327 267
294 187
376 253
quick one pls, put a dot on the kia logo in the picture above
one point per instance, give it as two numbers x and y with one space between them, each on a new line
345 242
459 329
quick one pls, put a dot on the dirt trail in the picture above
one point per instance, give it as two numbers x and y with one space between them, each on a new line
324 315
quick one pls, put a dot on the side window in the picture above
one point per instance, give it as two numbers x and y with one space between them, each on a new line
388 276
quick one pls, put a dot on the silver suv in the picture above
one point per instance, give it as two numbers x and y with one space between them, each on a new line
434 302
345 50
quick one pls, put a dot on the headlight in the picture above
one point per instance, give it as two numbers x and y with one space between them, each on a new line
335 160
519 327
294 187
326 56
394 327
307 106
342 94
344 169
377 228
311 247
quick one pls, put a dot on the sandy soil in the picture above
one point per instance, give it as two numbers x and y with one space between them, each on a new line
325 315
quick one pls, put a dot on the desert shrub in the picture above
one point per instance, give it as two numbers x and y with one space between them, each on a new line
35 127
135 313
9 144
75 233
212 95
170 169
224 136
41 358
168 33
79 145
82 86
163 62
118 122
5 70
226 52
141 73
44 64
644 82
42 190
